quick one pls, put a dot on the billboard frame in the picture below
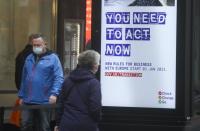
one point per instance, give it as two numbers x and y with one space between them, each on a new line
183 110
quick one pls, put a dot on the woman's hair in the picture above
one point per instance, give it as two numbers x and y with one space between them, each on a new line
88 59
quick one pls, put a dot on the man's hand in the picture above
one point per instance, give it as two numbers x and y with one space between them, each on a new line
52 99
56 128
20 101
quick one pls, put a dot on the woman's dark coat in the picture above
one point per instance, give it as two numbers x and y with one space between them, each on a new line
79 102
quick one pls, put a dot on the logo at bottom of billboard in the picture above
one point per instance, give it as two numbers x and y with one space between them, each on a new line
165 97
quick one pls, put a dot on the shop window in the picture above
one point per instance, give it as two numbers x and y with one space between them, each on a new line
19 19
73 37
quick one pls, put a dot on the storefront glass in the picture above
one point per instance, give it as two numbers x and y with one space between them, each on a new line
19 19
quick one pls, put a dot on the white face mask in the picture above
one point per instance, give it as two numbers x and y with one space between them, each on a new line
38 50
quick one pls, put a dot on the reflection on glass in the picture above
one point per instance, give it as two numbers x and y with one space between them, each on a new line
72 43
19 19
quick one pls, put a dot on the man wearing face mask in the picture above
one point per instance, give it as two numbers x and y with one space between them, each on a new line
42 78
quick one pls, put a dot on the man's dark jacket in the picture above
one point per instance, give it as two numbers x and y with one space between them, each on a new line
19 63
80 107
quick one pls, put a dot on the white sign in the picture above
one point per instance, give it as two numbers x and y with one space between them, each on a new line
138 53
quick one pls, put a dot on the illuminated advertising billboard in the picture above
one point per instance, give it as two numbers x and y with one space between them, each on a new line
138 53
